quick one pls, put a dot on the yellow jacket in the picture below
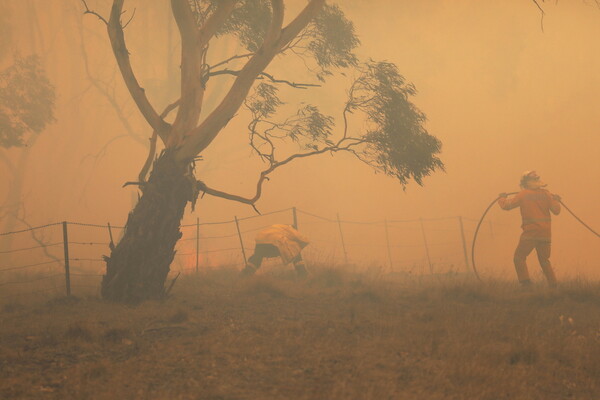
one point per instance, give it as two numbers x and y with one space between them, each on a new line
288 240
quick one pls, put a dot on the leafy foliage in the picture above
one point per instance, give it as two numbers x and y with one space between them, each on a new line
310 128
332 40
26 101
264 101
329 39
397 143
248 22
394 140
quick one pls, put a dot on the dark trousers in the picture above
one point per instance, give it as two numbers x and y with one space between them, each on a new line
262 251
542 248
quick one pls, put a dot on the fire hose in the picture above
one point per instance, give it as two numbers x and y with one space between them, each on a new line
488 209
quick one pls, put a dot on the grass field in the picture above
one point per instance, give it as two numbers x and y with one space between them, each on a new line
333 336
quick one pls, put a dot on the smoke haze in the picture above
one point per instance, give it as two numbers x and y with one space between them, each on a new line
503 95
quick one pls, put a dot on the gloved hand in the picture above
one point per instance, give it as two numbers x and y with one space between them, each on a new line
556 197
503 194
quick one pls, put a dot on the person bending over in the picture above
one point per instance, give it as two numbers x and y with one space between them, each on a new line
278 241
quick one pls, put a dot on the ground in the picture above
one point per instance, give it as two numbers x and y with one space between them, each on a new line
333 336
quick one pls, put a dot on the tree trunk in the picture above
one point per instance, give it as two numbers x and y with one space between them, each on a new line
10 209
138 266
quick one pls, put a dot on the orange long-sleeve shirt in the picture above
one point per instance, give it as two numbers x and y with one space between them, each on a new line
536 206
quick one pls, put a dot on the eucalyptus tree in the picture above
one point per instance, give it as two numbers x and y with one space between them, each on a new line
27 102
390 138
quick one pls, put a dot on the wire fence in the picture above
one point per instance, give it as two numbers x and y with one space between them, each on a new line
68 257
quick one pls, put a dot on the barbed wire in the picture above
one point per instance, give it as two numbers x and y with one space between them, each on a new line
30 229
28 265
213 251
209 223
30 248
210 237
265 214
315 216
319 219
94 225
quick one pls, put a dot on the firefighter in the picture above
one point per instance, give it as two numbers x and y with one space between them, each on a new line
278 241
536 204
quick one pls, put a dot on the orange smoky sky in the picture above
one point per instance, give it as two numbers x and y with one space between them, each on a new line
503 95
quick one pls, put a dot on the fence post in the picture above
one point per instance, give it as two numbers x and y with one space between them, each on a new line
237 225
111 245
197 241
342 237
464 242
66 248
426 246
387 240
295 218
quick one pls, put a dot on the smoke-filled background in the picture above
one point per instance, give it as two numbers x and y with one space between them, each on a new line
500 92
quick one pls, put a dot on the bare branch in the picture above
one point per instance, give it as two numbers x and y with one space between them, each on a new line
130 19
300 22
35 237
542 12
102 88
274 40
194 44
151 154
169 108
264 175
263 75
88 11
228 60
117 40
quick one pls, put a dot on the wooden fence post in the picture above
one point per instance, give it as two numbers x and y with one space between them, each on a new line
197 242
387 240
111 245
342 237
295 218
237 225
66 248
426 246
464 242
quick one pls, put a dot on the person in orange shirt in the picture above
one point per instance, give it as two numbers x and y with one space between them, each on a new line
536 204
278 241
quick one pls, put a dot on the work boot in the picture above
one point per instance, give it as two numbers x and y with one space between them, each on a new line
249 270
526 285
301 271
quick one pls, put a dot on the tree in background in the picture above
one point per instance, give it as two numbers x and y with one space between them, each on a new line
26 108
390 138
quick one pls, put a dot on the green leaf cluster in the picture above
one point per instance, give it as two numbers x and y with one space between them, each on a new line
397 142
329 40
26 101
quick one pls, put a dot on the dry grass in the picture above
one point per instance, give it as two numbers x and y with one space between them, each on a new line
333 336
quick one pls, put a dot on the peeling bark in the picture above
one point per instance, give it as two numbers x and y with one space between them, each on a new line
138 266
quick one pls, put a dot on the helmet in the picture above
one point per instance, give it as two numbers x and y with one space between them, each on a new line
531 180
